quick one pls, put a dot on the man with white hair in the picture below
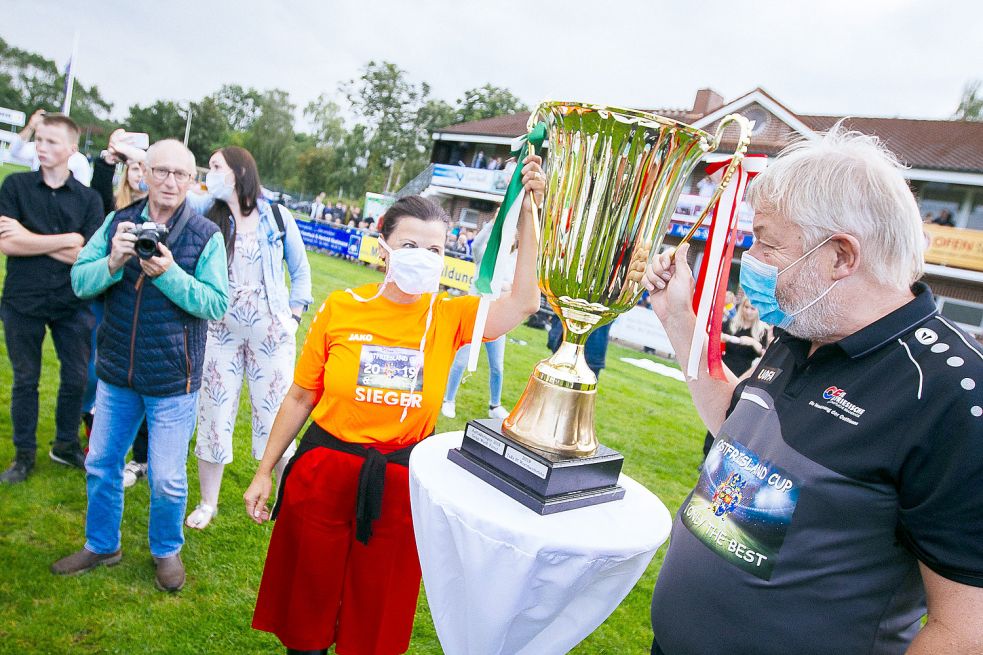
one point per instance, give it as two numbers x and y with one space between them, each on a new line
162 286
842 494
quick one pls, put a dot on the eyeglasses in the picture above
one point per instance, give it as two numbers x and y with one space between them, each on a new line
160 174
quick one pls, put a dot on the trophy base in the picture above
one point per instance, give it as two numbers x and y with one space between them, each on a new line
544 482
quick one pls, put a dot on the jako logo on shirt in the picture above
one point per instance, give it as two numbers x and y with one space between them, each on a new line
837 397
360 337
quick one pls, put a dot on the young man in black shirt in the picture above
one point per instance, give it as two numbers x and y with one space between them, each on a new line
46 217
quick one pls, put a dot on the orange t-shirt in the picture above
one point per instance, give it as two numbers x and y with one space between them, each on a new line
360 357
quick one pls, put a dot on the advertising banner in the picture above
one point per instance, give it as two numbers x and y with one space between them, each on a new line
473 179
336 239
953 246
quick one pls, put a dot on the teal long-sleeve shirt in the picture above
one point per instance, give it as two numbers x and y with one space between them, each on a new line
205 294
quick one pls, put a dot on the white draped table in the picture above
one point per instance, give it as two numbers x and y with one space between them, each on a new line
502 579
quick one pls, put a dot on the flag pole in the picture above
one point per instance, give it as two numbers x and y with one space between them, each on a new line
70 77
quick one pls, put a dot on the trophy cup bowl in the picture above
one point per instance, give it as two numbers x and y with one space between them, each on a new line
613 177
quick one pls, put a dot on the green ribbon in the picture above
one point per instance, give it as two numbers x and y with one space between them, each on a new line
536 137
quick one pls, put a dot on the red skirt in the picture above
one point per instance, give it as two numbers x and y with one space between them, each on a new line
322 587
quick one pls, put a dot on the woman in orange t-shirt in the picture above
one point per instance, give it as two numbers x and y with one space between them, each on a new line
342 565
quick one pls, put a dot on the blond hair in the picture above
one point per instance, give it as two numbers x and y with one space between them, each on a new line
758 327
125 196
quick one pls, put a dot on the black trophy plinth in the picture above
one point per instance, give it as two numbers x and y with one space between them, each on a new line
543 482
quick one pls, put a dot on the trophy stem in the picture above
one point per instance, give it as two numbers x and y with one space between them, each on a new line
556 411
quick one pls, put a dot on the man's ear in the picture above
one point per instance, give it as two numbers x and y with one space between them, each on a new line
847 250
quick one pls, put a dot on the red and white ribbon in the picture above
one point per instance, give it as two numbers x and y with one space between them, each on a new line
711 282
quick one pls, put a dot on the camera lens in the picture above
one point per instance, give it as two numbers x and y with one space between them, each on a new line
146 247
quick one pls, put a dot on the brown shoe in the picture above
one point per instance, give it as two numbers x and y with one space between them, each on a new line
84 560
170 573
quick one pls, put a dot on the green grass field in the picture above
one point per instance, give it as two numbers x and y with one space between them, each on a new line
649 418
7 169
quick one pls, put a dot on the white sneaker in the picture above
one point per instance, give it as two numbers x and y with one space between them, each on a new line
448 409
498 412
133 472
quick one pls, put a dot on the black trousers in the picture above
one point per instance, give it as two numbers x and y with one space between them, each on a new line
24 336
141 443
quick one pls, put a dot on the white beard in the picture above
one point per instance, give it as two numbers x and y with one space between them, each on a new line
820 321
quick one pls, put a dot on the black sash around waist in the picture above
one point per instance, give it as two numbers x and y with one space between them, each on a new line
371 477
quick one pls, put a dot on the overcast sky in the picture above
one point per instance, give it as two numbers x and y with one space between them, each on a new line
906 58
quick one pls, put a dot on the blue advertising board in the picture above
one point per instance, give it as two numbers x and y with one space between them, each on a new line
336 239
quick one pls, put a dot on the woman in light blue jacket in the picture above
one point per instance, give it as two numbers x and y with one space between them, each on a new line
256 339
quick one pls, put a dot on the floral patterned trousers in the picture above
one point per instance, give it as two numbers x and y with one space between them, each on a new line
247 343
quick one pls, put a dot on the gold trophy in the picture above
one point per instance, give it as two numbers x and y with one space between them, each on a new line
613 179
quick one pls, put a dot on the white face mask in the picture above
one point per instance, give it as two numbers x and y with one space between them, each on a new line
414 270
218 186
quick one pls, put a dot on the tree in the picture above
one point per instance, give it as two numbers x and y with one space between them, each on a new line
164 119
28 82
209 129
270 137
241 107
325 117
971 103
487 101
388 105
433 115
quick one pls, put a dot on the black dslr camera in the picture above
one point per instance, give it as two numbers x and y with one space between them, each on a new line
149 235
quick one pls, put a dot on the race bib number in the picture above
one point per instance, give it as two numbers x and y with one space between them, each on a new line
400 369
390 376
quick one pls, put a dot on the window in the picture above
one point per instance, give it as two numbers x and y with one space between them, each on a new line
969 315
976 215
469 218
760 118
933 197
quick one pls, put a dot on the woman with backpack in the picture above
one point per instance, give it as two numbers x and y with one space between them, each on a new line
255 341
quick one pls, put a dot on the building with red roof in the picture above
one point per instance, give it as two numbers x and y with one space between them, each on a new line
944 160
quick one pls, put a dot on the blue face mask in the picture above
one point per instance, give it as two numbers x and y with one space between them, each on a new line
143 187
760 280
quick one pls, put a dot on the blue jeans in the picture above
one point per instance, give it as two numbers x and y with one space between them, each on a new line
496 370
171 422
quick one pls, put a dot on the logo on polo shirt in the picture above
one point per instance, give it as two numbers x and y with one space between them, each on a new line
837 398
365 338
767 374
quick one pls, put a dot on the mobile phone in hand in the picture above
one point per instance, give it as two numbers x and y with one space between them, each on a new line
139 140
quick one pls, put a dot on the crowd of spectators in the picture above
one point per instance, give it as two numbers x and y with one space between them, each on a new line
339 214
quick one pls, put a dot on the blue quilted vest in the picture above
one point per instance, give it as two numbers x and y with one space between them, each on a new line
145 341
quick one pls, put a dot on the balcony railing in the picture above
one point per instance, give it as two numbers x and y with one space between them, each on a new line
418 184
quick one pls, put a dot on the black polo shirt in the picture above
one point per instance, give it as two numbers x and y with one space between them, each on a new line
41 285
831 479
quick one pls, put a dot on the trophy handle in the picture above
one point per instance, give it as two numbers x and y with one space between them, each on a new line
735 161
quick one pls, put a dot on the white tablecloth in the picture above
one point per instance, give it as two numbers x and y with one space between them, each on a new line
502 579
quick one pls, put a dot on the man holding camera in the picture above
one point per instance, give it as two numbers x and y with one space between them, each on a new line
163 270
45 218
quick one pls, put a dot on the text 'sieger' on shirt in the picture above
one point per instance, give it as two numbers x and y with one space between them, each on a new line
362 356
